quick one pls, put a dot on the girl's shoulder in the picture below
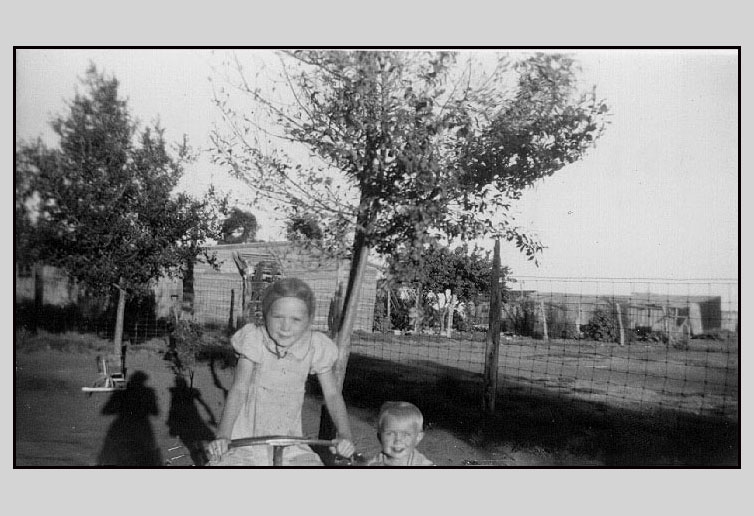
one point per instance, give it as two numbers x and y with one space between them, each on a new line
324 352
249 341
320 339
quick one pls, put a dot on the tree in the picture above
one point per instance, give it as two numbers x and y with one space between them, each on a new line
102 204
448 276
396 147
239 227
303 228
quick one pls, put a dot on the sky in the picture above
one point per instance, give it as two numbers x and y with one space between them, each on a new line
655 198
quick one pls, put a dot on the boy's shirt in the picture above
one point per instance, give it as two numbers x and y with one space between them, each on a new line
416 459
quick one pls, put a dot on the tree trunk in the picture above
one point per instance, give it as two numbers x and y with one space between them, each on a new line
417 307
342 338
335 313
389 320
118 337
350 309
232 317
492 344
443 314
451 309
188 291
244 301
39 293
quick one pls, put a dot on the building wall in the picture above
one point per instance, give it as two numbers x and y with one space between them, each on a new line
216 290
58 290
659 313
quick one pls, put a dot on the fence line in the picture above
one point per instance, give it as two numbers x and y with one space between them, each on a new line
668 344
648 344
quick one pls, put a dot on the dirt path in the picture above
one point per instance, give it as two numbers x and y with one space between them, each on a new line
56 424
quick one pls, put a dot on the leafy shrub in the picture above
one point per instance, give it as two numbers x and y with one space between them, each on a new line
185 342
603 326
51 318
716 334
523 317
558 324
380 322
399 315
462 324
646 334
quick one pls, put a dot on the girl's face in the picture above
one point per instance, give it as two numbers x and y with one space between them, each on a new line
399 437
287 321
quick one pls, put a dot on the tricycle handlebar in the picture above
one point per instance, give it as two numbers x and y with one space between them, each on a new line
280 440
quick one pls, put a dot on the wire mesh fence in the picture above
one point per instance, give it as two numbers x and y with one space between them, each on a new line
638 343
702 379
646 344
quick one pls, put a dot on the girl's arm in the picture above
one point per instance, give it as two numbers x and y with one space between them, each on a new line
233 404
336 407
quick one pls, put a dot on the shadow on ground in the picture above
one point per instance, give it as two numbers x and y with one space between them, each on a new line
185 421
542 420
130 440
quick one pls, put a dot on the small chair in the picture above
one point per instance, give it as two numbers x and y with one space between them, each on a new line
107 381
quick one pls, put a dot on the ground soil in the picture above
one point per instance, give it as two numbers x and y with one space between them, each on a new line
56 424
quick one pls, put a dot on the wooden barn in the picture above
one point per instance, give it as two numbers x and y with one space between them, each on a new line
700 313
218 293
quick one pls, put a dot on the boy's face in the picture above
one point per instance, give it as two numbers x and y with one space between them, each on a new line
399 437
287 321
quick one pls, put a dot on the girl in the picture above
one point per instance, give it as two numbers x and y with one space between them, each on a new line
269 382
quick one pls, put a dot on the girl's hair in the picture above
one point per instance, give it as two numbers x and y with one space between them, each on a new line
401 410
288 287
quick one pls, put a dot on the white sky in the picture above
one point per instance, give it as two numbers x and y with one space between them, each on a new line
657 197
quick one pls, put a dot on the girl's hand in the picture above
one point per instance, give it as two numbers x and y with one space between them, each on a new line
344 448
217 448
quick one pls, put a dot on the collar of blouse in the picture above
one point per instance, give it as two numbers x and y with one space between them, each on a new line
298 350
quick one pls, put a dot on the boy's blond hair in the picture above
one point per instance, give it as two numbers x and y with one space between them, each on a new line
402 410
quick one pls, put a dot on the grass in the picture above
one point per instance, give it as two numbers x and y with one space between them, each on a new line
74 342
68 341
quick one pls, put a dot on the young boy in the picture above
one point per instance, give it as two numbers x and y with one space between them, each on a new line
400 430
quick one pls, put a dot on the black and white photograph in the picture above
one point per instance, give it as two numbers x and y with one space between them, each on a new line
326 259
536 249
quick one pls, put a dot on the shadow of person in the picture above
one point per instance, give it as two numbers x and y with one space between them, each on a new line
130 440
185 422
216 378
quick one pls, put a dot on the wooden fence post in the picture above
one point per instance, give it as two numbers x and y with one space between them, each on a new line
492 343
665 323
544 320
622 339
119 317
